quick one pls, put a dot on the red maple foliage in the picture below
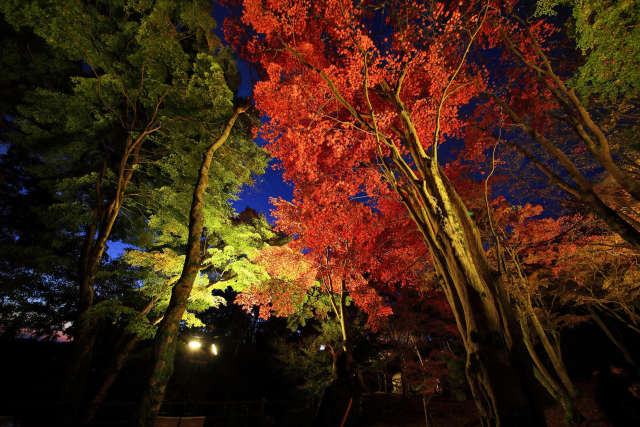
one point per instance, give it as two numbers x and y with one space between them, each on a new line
345 216
361 99
333 244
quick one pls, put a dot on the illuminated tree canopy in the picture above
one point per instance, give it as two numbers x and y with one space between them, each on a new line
465 197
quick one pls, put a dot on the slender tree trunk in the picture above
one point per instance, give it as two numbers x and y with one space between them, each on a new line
621 347
425 401
554 356
595 141
559 386
583 190
562 391
104 218
343 326
165 342
345 387
122 351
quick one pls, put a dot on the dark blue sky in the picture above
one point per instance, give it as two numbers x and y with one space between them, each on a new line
257 197
271 183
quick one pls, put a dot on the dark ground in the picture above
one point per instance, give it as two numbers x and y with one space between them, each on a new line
393 411
30 371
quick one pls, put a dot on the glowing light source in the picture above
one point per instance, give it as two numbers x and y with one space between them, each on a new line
214 349
322 347
194 345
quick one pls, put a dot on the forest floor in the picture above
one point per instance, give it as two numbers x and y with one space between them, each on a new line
391 410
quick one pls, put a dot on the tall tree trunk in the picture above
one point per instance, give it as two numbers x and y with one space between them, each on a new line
121 350
594 140
165 343
104 218
559 386
341 398
583 190
497 369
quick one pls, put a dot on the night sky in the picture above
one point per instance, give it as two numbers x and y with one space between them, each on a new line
268 185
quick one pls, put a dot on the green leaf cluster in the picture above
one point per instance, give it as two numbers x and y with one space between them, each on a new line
84 78
229 242
608 34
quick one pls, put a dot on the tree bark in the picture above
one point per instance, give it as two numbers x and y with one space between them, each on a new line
92 251
121 351
165 342
577 114
581 121
584 191
497 367
563 390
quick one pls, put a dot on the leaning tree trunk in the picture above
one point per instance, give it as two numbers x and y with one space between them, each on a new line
587 131
95 243
498 369
122 349
165 343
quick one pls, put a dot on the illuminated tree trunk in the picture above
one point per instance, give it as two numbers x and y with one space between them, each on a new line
338 308
341 399
583 190
587 131
165 343
559 386
499 371
121 351
496 370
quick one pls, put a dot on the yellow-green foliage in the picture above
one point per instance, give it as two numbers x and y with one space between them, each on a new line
229 245
138 66
608 34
